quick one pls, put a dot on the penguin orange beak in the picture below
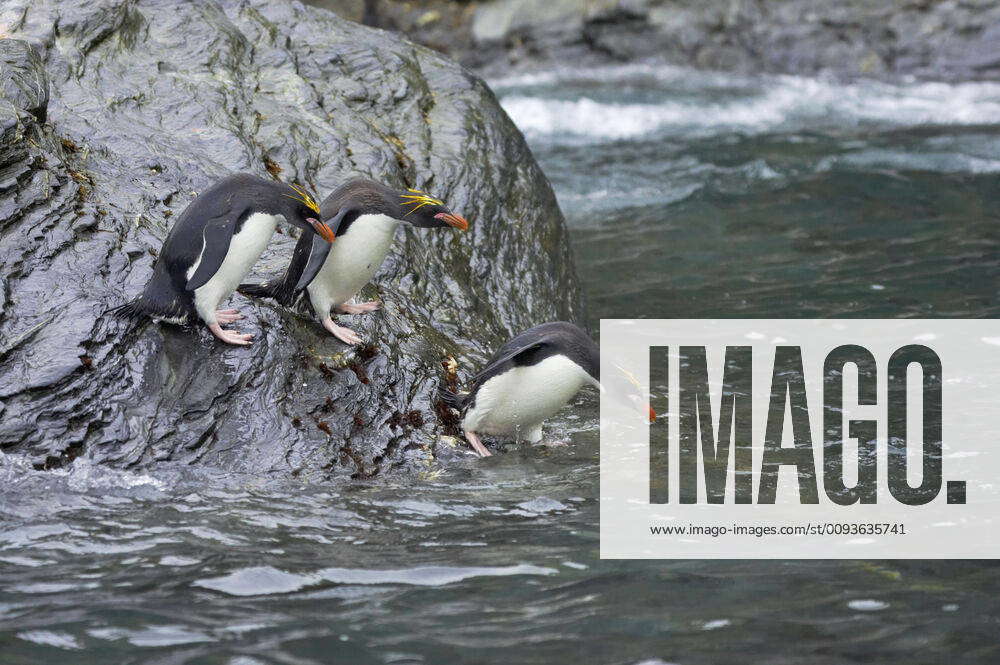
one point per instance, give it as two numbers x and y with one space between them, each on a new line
652 414
324 231
457 221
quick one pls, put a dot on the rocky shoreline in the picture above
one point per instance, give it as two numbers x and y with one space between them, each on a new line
947 40
114 115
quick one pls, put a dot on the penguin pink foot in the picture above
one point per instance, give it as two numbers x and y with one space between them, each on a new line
477 445
359 307
230 336
225 316
345 335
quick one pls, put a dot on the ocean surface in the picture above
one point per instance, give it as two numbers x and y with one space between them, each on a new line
702 195
689 195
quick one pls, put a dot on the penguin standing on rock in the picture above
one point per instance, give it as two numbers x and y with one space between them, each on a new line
364 215
212 246
530 378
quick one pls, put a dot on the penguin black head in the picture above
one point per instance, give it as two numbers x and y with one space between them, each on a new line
425 211
251 193
301 210
623 386
361 197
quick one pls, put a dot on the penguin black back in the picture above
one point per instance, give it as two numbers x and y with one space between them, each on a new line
530 348
199 240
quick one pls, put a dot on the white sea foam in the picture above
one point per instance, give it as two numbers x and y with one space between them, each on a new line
50 638
263 580
80 476
942 162
785 102
624 73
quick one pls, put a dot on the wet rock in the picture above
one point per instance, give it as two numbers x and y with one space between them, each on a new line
147 104
932 39
495 21
22 79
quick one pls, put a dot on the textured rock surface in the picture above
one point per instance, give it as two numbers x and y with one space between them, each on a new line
934 39
149 102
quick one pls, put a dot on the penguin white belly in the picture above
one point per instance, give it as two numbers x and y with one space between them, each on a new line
353 260
521 399
245 248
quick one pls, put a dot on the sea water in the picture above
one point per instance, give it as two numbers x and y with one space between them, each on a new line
688 195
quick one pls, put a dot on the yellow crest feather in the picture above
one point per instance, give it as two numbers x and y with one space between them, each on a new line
629 376
304 197
418 200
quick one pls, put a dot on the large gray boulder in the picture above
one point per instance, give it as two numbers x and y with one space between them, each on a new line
114 114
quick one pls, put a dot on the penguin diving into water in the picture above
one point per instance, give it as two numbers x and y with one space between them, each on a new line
530 378
364 215
212 246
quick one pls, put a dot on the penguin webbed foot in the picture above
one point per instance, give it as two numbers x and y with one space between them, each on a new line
225 316
345 335
230 336
477 444
359 307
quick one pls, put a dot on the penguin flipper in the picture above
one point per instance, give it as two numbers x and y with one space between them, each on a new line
506 358
307 258
307 264
452 399
217 236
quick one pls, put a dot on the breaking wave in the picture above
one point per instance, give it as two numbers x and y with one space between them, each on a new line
777 103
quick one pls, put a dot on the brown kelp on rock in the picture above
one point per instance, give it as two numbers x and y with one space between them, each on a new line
114 114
